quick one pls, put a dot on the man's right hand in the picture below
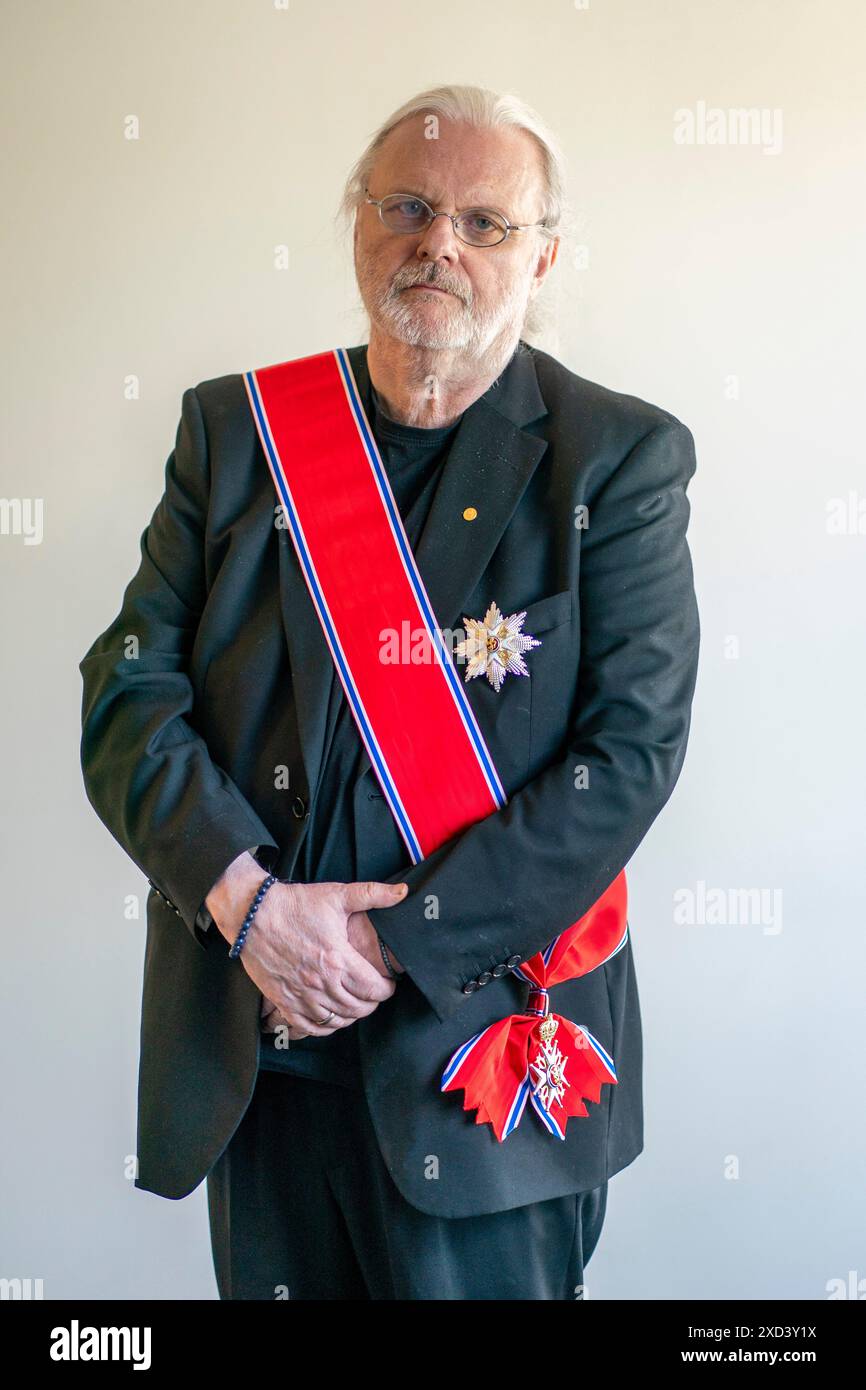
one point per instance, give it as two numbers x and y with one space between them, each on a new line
297 950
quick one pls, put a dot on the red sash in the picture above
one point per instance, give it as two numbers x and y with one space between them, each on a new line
365 585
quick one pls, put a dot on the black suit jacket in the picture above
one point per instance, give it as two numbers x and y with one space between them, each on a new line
183 743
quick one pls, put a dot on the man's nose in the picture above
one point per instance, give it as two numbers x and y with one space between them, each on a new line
439 242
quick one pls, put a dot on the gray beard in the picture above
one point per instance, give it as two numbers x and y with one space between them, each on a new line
468 332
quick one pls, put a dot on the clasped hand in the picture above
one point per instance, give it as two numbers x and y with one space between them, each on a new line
314 954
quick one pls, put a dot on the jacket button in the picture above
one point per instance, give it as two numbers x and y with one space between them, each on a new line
299 808
499 971
512 962
470 987
485 977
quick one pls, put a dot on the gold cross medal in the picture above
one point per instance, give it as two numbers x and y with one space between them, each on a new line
493 646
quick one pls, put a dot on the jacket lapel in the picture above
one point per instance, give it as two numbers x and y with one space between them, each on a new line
489 465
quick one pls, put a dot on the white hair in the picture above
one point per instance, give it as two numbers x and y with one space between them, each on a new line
486 110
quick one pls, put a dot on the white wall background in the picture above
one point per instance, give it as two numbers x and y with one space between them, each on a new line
723 283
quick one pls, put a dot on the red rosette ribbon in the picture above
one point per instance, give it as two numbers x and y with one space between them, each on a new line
538 1056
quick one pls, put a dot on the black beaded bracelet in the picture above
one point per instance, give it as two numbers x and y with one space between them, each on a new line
387 959
235 950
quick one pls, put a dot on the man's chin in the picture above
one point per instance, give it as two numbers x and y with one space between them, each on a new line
428 336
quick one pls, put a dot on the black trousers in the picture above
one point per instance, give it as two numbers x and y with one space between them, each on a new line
302 1206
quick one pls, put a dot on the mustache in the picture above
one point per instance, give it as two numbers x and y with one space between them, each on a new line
429 275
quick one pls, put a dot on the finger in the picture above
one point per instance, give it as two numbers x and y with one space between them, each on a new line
358 897
350 1006
314 1012
319 995
353 991
356 994
363 982
332 1025
294 1034
309 1026
351 987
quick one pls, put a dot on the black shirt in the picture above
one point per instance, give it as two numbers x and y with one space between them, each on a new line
413 458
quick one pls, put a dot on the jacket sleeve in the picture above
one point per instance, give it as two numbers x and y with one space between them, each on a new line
504 888
147 773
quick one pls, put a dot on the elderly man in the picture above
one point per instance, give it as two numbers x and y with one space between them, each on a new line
402 681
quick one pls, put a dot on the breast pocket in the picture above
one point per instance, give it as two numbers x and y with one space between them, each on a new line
553 682
547 613
505 717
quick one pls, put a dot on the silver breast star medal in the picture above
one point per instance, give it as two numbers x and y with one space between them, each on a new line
493 647
548 1064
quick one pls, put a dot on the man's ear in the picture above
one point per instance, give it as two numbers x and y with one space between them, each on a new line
552 251
545 263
